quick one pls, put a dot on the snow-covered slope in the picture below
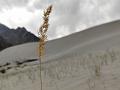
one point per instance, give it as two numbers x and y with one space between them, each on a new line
87 60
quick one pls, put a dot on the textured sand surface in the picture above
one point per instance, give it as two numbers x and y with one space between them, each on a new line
88 60
93 71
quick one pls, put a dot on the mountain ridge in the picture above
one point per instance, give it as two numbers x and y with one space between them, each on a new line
10 37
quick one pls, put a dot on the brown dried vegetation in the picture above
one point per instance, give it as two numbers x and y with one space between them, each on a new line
43 36
43 29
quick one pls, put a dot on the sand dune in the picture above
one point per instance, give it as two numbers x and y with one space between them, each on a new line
87 60
93 39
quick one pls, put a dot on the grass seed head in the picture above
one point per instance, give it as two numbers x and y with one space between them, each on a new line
43 30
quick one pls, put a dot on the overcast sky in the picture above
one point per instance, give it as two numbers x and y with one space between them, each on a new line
68 16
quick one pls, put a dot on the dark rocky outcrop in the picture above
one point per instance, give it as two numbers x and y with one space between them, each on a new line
4 44
10 37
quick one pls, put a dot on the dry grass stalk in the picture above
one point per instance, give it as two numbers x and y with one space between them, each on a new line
42 31
43 36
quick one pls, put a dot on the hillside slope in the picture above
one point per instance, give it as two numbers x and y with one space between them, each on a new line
94 39
11 37
87 60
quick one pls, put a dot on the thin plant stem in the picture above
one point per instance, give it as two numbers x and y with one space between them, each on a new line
42 39
41 82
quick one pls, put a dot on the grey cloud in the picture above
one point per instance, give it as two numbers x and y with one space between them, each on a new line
115 10
40 4
87 12
67 13
12 3
71 13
